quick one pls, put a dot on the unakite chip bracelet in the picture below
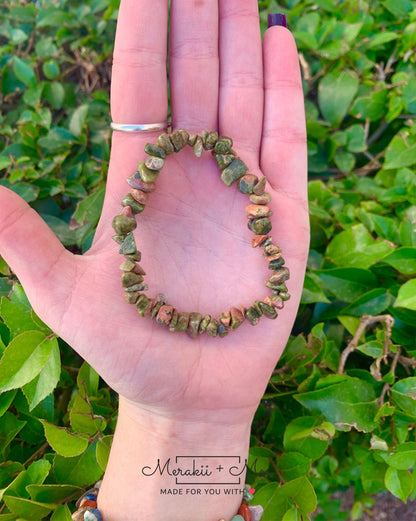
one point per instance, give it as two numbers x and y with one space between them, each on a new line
233 170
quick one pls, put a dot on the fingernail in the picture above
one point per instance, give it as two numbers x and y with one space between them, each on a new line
276 19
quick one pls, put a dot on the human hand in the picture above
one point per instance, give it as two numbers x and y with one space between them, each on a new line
193 234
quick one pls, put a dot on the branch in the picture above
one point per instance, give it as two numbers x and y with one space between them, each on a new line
365 322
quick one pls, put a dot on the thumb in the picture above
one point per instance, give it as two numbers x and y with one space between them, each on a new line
33 252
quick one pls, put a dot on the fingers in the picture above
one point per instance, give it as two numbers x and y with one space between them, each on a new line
138 90
284 154
194 64
283 151
35 254
241 76
139 81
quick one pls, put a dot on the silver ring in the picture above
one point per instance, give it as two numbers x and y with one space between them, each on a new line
139 128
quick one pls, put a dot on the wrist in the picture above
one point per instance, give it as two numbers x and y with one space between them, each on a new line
193 470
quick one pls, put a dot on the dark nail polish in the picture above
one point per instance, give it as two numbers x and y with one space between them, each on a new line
276 19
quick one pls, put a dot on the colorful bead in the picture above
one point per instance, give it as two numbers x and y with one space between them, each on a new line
258 210
233 171
147 175
88 503
247 182
244 511
164 315
261 226
123 225
260 187
154 163
130 201
154 150
256 511
92 515
165 144
183 321
260 199
223 145
193 326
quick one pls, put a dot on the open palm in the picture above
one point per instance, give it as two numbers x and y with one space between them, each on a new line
193 234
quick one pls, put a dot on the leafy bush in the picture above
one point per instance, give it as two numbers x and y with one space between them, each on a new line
340 408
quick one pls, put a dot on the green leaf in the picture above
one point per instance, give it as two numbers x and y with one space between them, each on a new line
373 348
5 401
46 381
63 442
385 227
292 515
399 154
276 500
372 475
82 418
79 470
409 95
356 138
399 8
58 139
407 233
344 160
347 284
53 16
298 437
373 302
355 247
88 379
24 72
9 429
103 451
78 119
406 297
62 513
345 401
382 38
399 483
17 314
371 107
335 94
292 465
5 162
89 209
403 260
403 458
27 509
23 359
312 292
38 471
51 69
404 395
51 493
54 94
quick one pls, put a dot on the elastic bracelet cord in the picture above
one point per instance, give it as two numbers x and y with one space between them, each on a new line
88 511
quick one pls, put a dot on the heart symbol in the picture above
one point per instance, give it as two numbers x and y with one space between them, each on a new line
251 490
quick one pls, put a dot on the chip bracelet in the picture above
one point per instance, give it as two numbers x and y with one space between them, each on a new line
233 170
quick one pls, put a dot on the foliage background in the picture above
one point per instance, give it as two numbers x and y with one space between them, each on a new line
340 410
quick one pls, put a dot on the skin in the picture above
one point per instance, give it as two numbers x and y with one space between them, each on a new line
179 395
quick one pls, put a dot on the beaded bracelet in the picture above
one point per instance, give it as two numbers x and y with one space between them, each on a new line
233 169
88 511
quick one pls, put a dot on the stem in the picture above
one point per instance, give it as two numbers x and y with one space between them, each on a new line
366 321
